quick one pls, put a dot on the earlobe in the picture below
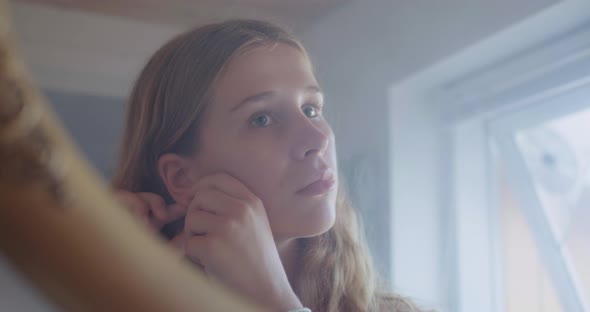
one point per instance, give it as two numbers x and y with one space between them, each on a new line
175 172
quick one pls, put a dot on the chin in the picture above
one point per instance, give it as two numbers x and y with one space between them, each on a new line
304 217
319 230
317 221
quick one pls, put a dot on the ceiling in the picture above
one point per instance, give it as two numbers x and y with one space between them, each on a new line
296 14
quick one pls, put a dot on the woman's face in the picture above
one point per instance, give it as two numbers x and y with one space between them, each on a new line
265 127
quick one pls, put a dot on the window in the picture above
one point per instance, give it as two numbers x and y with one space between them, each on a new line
525 279
546 151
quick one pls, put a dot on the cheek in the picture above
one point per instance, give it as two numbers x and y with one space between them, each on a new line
258 165
260 173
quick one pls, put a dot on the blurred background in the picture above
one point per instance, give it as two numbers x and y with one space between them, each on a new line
463 128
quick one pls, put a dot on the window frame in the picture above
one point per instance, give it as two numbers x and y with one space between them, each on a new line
503 130
492 103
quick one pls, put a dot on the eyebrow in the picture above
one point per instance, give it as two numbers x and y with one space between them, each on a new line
268 94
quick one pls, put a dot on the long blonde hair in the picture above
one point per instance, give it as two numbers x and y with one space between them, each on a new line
164 114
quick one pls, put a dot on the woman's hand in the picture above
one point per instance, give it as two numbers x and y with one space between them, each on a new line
153 211
228 233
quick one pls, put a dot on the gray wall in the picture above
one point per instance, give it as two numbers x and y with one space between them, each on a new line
95 123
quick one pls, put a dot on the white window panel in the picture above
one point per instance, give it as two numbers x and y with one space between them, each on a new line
546 149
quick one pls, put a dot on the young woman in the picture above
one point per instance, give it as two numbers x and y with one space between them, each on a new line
226 153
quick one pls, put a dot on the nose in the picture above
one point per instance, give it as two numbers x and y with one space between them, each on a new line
311 138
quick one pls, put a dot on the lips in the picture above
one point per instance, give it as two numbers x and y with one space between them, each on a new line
319 186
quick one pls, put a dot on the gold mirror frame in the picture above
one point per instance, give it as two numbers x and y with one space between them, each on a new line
60 226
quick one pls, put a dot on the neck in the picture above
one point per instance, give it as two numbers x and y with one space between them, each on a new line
289 254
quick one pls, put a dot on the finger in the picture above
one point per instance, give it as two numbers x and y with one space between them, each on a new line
178 242
199 222
141 211
134 204
215 202
227 184
175 212
196 249
157 205
163 214
171 229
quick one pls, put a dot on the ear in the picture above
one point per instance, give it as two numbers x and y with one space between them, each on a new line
177 174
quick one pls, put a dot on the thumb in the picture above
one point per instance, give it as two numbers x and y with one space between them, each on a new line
175 211
178 243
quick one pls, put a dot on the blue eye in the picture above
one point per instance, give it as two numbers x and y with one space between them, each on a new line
310 111
261 121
